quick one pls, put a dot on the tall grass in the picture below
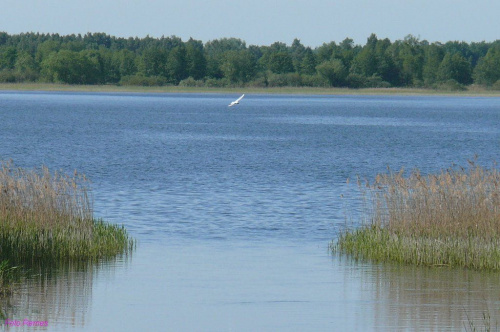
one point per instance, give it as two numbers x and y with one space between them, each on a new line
448 219
49 216
7 277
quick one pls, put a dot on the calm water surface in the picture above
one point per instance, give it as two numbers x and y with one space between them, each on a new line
234 208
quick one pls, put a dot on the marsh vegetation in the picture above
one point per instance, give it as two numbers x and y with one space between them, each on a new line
446 219
48 217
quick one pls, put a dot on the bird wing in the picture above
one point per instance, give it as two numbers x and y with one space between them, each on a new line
237 100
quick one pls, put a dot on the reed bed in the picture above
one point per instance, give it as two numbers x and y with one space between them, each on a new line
449 219
49 216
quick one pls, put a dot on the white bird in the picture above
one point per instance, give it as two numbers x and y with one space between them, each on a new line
237 101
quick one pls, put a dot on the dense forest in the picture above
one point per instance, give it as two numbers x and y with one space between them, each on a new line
97 58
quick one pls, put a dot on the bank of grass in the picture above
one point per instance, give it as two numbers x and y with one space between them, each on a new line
449 219
469 91
47 216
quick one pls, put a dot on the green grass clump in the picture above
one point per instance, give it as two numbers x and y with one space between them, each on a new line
450 219
49 216
7 277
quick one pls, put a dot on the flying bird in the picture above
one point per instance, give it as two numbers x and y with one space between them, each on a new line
237 101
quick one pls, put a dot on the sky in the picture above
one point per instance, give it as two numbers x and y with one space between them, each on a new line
260 22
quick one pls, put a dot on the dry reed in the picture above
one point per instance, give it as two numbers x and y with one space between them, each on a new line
448 219
46 215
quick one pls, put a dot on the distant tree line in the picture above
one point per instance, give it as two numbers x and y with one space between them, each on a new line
98 58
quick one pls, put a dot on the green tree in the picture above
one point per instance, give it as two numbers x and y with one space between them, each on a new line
74 45
365 63
196 61
455 67
97 40
326 51
8 57
153 62
45 49
297 51
96 68
238 66
309 63
126 62
434 54
26 67
25 62
477 51
487 71
109 65
177 64
220 46
347 51
3 38
386 66
408 56
333 71
372 41
412 57
280 63
214 53
69 67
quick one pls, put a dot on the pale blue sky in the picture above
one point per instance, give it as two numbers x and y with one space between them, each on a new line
259 22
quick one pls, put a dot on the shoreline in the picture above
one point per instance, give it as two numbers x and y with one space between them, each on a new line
473 91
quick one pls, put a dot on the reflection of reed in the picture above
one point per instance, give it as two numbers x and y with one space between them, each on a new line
61 296
426 299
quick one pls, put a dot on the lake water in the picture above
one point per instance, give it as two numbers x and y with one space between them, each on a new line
234 208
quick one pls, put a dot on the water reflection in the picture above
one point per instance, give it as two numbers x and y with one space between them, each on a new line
425 298
59 295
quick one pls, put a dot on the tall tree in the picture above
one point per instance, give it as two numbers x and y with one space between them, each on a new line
280 62
177 64
365 62
455 67
333 71
69 67
409 58
8 57
434 54
326 51
347 51
25 62
297 51
45 49
215 50
26 67
309 63
153 62
127 62
239 66
196 61
487 71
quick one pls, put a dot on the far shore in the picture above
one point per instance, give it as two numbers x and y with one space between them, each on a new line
472 91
